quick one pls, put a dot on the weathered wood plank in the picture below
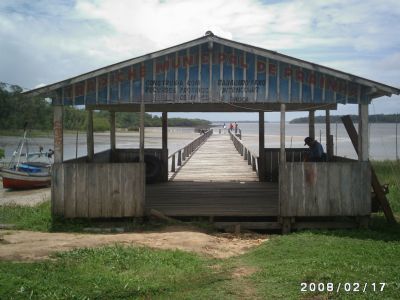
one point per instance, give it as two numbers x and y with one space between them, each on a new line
58 133
324 189
139 195
94 184
89 136
219 155
106 201
128 190
82 205
180 198
115 193
70 190
57 189
383 201
112 131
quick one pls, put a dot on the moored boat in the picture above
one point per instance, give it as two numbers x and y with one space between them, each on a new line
26 177
29 173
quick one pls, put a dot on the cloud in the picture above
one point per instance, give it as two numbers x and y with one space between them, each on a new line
47 41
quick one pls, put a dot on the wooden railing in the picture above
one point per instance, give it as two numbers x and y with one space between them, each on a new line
252 159
183 153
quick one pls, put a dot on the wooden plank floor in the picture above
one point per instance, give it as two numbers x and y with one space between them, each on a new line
188 198
216 160
215 181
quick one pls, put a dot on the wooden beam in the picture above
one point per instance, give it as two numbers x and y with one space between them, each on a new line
141 151
311 124
58 133
282 157
329 137
164 119
209 107
363 136
112 131
89 136
164 154
380 194
261 146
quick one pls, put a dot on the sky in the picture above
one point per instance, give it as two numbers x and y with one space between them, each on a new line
42 42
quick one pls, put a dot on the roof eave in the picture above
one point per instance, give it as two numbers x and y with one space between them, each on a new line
376 86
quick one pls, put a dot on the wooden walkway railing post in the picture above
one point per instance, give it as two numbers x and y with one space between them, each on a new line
187 151
244 151
180 158
173 163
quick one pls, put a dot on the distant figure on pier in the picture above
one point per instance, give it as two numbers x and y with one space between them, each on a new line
236 127
224 126
315 152
231 127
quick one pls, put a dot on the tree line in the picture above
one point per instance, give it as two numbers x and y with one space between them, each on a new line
380 118
16 109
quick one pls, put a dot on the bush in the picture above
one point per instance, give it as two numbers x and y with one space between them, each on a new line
100 123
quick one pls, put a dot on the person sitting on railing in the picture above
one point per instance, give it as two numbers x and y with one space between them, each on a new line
315 153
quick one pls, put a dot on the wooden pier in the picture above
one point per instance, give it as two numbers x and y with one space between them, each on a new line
215 175
214 181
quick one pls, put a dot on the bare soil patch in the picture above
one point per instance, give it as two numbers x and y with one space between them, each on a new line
23 197
30 245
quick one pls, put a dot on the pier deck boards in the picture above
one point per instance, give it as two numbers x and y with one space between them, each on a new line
215 181
216 160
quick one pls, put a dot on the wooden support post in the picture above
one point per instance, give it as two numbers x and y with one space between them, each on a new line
58 133
282 156
112 131
329 137
261 146
89 137
141 150
311 124
286 225
363 222
363 136
164 120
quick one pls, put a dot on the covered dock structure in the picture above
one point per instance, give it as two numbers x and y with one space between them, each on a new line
213 74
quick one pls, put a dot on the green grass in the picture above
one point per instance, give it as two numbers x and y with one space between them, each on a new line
280 264
363 256
388 171
37 218
114 272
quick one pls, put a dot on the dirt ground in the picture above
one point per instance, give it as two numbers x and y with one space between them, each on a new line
29 245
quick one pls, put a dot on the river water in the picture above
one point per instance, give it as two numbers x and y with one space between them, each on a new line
178 137
382 139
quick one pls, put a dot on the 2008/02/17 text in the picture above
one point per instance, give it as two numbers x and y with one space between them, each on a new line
342 287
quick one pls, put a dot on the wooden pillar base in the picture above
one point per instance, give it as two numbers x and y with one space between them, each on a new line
363 222
286 225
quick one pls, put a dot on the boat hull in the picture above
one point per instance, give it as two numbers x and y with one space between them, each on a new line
23 180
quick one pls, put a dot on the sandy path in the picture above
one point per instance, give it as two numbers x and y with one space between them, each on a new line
29 245
23 197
